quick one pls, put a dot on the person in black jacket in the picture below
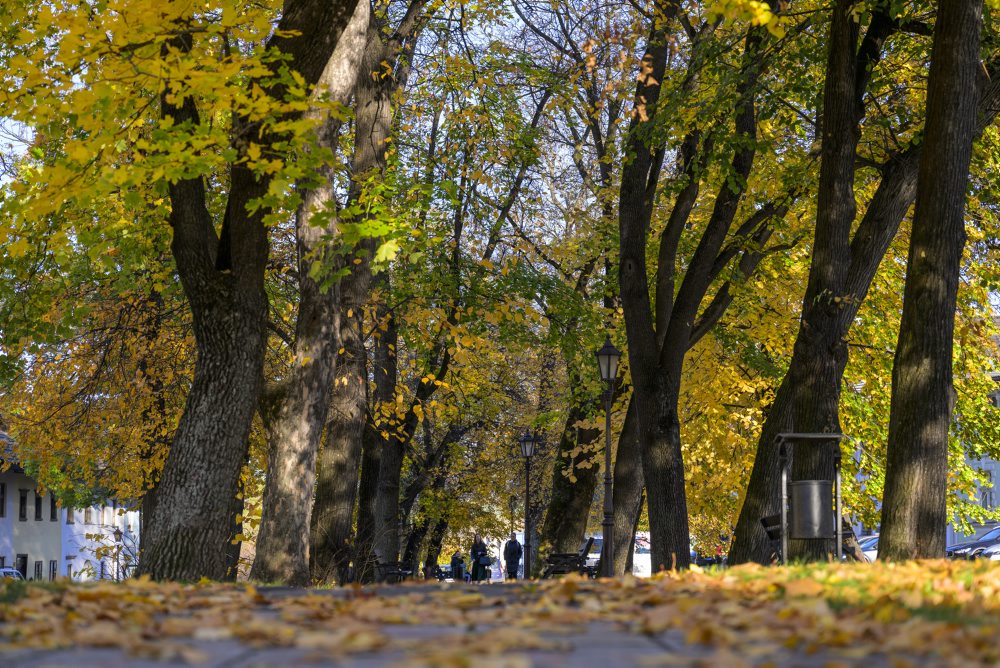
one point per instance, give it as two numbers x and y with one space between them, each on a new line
479 555
512 556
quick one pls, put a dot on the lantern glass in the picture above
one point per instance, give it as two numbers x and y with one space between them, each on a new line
527 444
607 360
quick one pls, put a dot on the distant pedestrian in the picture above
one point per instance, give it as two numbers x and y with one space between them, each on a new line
512 556
480 559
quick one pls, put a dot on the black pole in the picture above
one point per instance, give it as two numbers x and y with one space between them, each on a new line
608 539
527 526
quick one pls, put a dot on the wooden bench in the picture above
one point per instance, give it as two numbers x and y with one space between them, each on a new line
563 563
392 572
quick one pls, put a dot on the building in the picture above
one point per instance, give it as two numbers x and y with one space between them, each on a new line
46 541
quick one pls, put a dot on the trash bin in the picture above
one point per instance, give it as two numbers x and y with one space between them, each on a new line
811 509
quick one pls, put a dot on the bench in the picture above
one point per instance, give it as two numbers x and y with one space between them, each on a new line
392 572
563 563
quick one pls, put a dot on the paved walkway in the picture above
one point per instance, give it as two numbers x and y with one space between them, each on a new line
447 626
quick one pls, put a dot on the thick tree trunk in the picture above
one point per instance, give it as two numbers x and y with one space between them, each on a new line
434 545
414 541
569 506
223 277
340 458
364 542
628 489
282 551
914 510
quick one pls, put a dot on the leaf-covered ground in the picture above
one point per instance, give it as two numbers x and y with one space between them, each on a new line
914 614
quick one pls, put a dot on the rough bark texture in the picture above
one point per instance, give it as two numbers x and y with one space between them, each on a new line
628 488
189 528
569 506
434 546
339 459
282 549
914 513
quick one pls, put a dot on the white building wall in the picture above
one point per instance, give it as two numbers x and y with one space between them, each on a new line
38 539
89 546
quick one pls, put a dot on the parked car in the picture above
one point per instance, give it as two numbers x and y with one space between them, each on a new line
971 549
642 558
992 553
869 545
11 574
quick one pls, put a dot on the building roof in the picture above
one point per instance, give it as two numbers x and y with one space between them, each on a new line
7 455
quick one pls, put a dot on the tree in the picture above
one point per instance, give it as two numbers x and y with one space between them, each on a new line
296 411
914 516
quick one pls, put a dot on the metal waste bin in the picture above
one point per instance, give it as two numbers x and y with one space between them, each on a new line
811 509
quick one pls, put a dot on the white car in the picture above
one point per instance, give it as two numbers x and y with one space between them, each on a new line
11 573
869 545
992 553
642 564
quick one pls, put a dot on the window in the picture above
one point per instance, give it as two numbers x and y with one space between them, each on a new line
88 516
53 567
3 499
21 564
995 399
70 515
22 511
3 561
69 569
101 576
39 570
38 507
53 508
986 491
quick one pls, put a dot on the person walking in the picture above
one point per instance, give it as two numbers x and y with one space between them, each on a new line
512 556
480 559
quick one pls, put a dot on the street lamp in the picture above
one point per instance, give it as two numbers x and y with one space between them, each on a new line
607 362
118 552
528 442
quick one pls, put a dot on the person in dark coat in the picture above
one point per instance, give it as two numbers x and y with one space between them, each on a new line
479 555
512 556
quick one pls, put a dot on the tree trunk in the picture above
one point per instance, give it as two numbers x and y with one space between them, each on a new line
914 510
340 458
628 496
569 505
223 277
364 542
434 544
282 553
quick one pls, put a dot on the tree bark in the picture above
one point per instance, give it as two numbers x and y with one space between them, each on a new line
223 277
914 509
569 506
282 553
340 458
434 545
628 489
338 473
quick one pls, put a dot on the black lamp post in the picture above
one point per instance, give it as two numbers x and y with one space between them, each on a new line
607 362
528 442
